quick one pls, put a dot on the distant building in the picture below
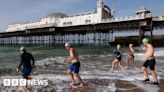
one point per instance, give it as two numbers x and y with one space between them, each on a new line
62 20
143 12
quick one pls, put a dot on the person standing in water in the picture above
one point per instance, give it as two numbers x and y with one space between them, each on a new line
149 61
75 65
130 56
117 59
27 60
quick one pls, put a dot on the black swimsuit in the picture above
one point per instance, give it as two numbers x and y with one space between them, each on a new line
118 55
130 54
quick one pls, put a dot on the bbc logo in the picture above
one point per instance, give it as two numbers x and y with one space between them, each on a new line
14 82
23 82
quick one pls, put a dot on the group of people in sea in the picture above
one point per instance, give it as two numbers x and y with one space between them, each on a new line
28 62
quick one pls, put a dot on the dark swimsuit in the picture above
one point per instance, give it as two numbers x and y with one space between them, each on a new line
75 67
26 59
118 55
130 54
151 63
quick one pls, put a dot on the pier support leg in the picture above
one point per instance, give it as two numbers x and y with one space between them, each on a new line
151 32
151 36
141 36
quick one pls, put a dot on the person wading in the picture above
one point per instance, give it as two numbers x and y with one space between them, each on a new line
130 56
117 59
149 61
27 60
75 65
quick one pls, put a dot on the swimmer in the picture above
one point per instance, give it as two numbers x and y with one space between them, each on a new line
149 61
27 60
130 56
75 65
117 59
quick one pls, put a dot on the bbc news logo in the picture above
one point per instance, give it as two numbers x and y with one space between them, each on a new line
24 82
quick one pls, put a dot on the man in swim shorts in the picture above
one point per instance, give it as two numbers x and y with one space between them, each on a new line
149 61
117 59
75 65
27 60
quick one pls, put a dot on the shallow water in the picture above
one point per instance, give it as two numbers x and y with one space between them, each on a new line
95 69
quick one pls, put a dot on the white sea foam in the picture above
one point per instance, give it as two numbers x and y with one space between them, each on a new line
127 75
91 70
58 79
159 53
49 61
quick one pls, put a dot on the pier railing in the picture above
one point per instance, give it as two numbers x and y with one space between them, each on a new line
125 18
32 27
42 25
158 18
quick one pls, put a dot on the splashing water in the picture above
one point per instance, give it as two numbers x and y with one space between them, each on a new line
95 71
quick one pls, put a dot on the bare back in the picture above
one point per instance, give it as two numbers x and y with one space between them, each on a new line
130 53
73 55
149 52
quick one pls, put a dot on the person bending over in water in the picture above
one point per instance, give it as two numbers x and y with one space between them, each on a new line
130 56
149 61
117 59
25 60
75 66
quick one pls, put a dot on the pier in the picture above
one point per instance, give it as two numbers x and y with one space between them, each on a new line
98 34
91 29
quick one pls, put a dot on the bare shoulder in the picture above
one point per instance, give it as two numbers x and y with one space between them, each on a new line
150 45
72 49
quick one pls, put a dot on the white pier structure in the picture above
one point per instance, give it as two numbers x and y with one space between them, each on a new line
93 28
62 20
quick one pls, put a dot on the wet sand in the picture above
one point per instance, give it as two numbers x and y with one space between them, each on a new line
161 85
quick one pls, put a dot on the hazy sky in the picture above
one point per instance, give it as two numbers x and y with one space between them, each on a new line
15 11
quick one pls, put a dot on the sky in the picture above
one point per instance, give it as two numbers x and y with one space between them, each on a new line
21 11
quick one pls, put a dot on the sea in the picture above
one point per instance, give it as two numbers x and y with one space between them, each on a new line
95 70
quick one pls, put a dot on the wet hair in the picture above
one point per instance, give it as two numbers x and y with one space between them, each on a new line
131 44
22 48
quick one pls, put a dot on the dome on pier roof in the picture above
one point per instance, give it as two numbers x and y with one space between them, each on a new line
56 15
143 9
